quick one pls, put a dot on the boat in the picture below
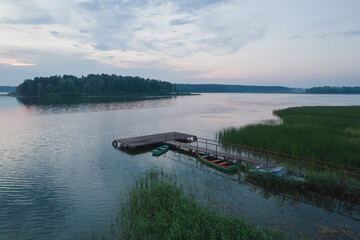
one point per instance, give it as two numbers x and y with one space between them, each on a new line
262 170
276 172
217 163
160 150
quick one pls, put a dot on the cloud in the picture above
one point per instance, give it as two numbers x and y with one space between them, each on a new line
15 63
101 47
191 6
181 21
341 34
216 28
129 34
205 38
35 20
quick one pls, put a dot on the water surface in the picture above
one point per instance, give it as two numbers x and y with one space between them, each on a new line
60 175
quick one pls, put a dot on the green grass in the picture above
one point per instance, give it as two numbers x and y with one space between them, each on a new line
324 183
329 134
155 208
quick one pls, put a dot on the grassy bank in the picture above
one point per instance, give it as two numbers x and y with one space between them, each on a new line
155 208
329 134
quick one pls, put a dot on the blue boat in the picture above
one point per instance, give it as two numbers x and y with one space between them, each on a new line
160 150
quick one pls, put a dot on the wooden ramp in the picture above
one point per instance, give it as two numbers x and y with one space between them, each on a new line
215 152
136 143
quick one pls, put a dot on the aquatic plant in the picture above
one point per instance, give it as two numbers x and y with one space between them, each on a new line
328 134
155 208
323 133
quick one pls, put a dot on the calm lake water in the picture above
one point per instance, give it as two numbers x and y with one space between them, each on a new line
60 175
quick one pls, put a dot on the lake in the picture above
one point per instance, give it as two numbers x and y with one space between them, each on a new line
60 176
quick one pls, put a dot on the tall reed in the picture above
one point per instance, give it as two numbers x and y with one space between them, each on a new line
323 133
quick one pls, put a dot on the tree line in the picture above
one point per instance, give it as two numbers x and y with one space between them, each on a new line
333 90
221 88
93 84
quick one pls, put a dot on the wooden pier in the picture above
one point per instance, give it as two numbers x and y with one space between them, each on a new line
180 141
141 142
231 152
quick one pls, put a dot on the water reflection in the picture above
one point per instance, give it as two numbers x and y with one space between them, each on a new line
32 203
57 105
296 215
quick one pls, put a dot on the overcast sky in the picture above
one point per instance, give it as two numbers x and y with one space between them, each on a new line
297 43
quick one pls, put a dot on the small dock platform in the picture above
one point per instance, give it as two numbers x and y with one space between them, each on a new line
136 143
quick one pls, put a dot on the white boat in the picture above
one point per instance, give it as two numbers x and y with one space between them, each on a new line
276 171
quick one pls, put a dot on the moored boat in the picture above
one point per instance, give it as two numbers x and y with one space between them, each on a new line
160 150
276 172
217 163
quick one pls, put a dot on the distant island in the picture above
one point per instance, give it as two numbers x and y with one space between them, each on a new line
219 88
333 90
93 85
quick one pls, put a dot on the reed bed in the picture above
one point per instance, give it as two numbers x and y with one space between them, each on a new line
155 208
330 134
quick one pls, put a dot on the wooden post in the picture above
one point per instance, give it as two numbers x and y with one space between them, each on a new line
197 145
216 150
206 144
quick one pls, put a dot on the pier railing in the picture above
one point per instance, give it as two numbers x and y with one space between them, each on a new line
246 153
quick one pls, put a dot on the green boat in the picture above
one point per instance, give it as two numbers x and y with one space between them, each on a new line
160 150
218 163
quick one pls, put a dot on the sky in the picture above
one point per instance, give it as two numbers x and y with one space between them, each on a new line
293 43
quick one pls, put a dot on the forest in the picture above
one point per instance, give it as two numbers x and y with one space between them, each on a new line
93 84
333 90
217 88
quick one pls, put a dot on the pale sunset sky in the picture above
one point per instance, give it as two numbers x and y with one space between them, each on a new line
293 43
